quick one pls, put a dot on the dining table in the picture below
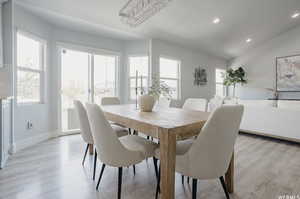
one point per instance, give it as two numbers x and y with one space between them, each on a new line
167 125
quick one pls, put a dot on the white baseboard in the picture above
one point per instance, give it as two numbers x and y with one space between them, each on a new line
3 163
270 136
12 149
72 132
20 145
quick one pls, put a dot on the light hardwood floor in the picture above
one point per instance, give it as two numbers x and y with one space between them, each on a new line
265 168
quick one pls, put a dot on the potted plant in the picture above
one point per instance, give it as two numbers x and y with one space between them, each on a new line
158 88
234 77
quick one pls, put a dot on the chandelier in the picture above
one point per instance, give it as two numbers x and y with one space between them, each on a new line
136 12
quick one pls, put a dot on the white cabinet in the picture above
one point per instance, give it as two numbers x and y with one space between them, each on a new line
5 130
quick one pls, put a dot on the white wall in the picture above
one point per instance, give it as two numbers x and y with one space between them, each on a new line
45 116
38 114
260 65
190 59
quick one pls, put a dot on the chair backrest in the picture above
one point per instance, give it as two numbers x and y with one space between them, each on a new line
83 122
109 148
110 101
215 103
211 152
197 104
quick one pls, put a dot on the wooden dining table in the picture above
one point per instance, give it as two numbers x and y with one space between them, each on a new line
168 125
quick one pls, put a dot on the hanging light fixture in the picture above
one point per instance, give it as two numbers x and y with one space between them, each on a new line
136 12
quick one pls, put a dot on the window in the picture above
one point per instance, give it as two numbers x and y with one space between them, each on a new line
104 76
30 68
86 75
220 88
138 64
170 74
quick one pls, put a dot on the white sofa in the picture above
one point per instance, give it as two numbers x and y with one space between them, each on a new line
277 119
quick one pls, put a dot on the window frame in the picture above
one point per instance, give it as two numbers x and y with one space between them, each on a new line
178 79
41 71
92 51
220 83
129 78
116 56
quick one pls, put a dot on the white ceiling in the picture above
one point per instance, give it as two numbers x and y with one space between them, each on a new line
186 22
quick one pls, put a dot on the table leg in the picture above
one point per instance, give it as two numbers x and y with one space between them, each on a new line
167 162
229 176
91 149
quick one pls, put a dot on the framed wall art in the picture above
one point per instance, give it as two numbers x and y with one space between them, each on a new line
288 73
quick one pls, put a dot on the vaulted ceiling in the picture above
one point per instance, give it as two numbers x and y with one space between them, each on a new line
186 22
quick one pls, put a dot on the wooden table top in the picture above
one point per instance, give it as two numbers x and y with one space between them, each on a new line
175 120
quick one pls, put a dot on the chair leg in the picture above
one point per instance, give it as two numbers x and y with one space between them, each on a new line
155 167
194 195
133 169
129 130
188 180
101 174
224 187
85 153
182 179
95 164
120 182
158 184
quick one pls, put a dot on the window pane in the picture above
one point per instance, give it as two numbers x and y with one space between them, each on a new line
133 85
132 94
28 51
133 82
173 85
169 68
104 76
220 75
139 64
28 86
220 90
74 84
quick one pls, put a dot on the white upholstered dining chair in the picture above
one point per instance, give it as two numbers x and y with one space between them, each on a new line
86 132
113 151
214 103
208 157
197 104
113 101
110 101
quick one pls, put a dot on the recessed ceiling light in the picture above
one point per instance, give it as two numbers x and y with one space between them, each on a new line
248 40
295 15
216 20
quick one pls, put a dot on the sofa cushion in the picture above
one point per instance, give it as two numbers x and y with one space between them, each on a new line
230 101
271 121
258 103
289 105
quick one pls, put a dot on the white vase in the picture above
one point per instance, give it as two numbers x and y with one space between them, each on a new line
146 103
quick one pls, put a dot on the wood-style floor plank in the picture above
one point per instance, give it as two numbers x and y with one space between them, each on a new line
265 168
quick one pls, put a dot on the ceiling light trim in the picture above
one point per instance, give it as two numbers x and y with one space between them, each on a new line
216 20
295 15
135 12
